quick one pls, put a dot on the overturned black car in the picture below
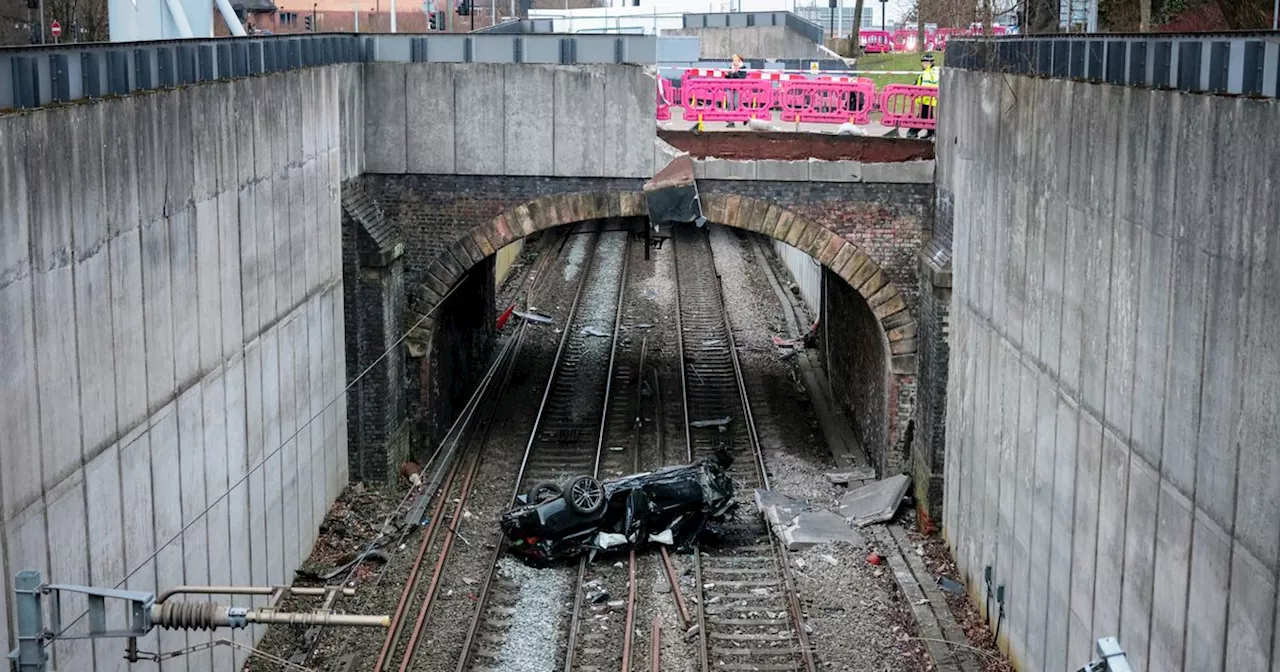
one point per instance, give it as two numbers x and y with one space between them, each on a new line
671 506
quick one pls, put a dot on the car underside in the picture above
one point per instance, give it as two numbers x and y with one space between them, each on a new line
580 514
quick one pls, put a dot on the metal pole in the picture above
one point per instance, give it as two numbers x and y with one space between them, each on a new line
31 655
355 11
393 16
1275 16
41 21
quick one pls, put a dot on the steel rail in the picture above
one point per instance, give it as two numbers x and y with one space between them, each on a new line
505 360
753 438
574 619
499 548
793 600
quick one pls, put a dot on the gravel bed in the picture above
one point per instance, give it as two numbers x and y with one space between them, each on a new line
527 645
937 560
857 614
379 588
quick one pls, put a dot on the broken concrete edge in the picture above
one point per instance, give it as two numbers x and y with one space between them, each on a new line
678 173
800 525
875 503
813 170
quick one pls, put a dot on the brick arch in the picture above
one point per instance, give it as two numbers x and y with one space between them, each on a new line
831 250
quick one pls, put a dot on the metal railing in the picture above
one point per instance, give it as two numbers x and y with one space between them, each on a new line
795 22
1236 63
43 75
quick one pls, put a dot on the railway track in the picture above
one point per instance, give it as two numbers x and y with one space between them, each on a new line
748 614
598 638
468 442
566 439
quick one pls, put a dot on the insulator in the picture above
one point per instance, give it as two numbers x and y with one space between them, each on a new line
189 615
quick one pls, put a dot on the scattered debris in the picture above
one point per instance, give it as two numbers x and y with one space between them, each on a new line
718 422
594 331
346 563
817 527
713 341
644 325
829 559
863 473
849 129
410 472
875 559
469 581
876 502
950 585
798 525
535 317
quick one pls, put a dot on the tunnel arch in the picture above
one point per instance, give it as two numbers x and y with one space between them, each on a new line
842 257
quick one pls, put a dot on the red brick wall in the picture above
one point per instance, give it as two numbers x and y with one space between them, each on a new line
888 221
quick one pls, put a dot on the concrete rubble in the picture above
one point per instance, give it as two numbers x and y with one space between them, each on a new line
863 473
799 524
876 502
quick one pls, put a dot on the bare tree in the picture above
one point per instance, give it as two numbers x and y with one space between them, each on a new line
82 20
854 49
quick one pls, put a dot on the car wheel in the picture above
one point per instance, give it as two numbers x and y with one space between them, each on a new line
544 492
586 495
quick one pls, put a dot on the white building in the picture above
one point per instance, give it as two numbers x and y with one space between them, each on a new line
654 16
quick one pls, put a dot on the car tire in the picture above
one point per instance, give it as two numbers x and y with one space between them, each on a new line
585 495
544 492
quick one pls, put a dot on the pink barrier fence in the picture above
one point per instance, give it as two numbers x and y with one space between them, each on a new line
828 101
822 100
903 106
727 99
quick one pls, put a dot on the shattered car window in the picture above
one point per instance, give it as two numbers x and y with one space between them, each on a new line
670 506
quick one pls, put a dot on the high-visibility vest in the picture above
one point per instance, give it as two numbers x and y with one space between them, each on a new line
928 77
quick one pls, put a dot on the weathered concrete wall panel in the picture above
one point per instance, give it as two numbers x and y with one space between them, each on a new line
751 42
1125 269
507 119
149 246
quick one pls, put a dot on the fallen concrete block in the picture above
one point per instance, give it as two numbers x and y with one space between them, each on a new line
779 509
811 528
865 473
876 502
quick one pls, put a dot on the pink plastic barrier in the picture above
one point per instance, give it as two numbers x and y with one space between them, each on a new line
727 99
902 106
828 101
875 41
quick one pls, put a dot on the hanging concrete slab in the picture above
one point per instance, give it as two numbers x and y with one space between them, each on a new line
672 194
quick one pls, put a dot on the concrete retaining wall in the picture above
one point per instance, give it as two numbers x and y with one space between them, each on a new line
751 42
170 317
1111 420
509 119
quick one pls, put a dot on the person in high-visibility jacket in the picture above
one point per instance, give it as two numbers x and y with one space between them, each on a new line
927 77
